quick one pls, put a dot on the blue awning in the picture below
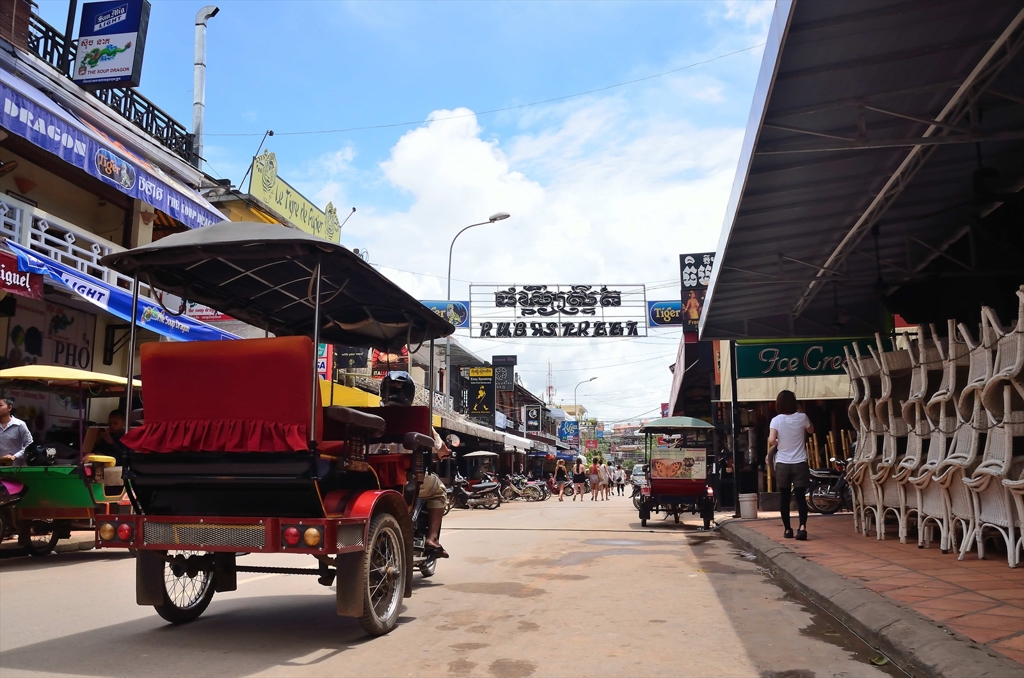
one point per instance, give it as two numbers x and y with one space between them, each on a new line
116 301
28 113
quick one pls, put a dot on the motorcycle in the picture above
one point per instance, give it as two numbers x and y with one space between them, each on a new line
829 491
482 494
426 564
637 494
510 491
553 488
11 492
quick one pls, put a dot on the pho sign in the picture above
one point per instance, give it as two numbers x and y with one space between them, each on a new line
793 358
547 311
111 43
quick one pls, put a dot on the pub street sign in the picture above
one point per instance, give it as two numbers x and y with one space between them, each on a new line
545 311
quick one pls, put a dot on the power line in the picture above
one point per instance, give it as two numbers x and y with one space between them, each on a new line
493 110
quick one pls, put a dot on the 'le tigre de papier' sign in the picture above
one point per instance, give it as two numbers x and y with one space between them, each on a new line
539 311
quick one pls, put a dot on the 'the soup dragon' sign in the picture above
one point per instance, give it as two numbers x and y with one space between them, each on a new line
547 311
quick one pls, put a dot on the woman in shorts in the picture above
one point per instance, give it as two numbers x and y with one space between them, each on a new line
561 478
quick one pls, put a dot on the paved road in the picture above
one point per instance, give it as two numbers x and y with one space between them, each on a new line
549 589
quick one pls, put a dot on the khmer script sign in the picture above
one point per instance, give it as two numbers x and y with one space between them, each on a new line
540 311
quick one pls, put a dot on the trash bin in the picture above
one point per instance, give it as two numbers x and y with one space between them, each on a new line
748 505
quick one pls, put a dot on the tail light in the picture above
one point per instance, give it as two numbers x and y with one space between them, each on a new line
710 491
124 532
106 531
312 537
292 536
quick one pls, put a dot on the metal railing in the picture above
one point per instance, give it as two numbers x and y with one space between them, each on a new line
49 45
62 241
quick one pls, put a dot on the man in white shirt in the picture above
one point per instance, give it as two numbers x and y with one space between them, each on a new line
14 434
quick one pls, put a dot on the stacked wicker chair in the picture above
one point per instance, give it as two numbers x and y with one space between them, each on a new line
1016 490
896 377
865 494
925 380
941 413
857 396
993 500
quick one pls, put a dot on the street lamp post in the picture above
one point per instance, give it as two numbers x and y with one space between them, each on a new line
576 407
497 216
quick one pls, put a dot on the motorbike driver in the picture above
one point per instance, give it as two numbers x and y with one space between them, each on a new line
398 388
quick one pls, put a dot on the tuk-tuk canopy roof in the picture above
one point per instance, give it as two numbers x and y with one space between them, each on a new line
672 425
65 380
264 275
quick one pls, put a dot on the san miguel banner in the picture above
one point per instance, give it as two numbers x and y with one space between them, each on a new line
17 282
455 312
547 311
695 276
794 358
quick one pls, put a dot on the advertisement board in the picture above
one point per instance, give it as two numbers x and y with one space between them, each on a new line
111 44
695 276
664 313
282 198
386 361
590 444
504 372
12 280
455 312
351 357
325 361
569 432
794 358
533 415
480 396
549 311
205 313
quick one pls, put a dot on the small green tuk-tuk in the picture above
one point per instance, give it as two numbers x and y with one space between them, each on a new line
61 490
678 453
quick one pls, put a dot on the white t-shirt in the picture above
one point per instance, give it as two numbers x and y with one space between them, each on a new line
792 430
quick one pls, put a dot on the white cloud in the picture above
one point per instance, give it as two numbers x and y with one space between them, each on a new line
751 13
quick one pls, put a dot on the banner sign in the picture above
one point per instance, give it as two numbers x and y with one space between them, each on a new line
569 432
16 282
794 359
384 362
205 313
117 301
504 372
289 204
590 444
324 362
599 433
664 313
350 357
480 396
695 276
68 139
539 311
533 415
111 43
455 312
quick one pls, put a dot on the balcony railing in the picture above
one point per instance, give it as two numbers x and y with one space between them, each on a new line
61 241
49 45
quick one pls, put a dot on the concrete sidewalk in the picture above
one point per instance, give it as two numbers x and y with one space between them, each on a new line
929 612
79 541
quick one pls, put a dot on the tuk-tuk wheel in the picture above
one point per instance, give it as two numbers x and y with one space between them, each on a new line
187 591
38 537
428 567
383 577
677 517
643 522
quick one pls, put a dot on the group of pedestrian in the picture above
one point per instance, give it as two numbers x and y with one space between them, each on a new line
602 479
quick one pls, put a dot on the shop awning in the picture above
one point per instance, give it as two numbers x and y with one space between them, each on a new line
30 114
880 170
517 443
469 428
116 301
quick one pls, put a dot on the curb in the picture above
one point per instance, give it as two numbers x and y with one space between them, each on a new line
916 644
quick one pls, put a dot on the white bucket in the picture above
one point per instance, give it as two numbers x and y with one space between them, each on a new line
748 506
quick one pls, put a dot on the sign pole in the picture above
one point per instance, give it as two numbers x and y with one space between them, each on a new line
734 408
66 63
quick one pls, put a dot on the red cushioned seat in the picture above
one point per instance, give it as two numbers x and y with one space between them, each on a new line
251 395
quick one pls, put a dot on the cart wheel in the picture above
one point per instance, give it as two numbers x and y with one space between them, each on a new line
428 567
38 537
676 516
383 575
188 589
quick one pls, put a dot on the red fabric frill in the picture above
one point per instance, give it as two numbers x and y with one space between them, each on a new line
218 435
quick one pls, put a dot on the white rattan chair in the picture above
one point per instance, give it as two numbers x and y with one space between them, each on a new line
992 502
1008 367
866 498
1016 490
896 377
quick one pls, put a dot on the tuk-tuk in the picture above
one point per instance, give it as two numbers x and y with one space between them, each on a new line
237 453
62 485
678 455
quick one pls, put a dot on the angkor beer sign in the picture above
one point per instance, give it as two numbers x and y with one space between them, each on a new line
793 358
545 311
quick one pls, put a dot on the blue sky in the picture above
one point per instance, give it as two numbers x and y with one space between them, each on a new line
607 187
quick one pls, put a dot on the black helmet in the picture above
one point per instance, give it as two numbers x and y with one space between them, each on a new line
397 388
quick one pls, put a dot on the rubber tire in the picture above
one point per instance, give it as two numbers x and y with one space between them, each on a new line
531 493
368 620
491 505
643 522
428 567
827 511
25 541
568 491
508 494
176 615
676 516
449 502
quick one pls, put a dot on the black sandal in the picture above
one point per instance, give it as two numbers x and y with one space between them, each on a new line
435 551
801 535
788 534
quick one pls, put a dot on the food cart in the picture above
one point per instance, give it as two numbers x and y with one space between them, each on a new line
678 453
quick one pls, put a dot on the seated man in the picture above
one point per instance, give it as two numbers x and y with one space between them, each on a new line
107 440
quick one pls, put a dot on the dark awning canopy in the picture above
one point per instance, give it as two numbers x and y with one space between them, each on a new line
263 274
881 170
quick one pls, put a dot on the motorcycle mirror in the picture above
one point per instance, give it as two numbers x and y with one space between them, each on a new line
452 440
833 460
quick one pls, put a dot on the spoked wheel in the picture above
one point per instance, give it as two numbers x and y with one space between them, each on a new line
38 537
449 503
531 493
491 501
568 491
188 587
823 500
637 498
383 576
508 494
428 567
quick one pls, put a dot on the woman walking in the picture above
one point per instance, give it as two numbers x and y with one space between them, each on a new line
787 455
561 478
595 480
605 479
579 479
